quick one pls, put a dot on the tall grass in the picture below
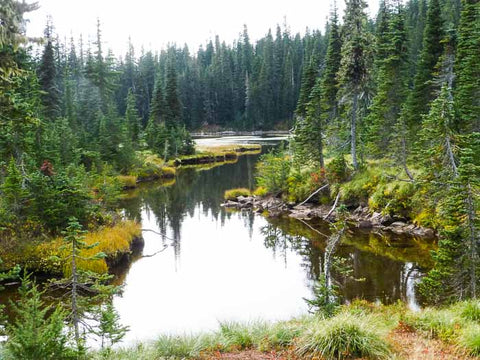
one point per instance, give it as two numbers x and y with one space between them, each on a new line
112 241
343 336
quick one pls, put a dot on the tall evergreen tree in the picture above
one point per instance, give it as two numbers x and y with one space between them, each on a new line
467 68
423 91
391 85
47 76
354 73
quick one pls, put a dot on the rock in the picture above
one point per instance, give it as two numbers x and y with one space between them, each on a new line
364 224
386 220
230 204
398 224
302 215
423 232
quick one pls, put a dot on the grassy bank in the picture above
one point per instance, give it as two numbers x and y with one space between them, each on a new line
39 256
378 185
360 330
216 154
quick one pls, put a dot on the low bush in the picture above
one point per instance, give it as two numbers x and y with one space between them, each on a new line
260 191
273 171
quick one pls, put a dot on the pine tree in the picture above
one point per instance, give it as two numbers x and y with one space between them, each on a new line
173 108
84 288
109 329
391 85
132 118
423 91
47 77
467 68
37 331
354 73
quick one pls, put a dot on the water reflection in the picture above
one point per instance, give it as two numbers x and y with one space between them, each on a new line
384 267
222 265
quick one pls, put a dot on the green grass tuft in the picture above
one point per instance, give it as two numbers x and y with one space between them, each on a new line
342 337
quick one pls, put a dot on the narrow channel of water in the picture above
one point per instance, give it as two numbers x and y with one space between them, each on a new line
217 265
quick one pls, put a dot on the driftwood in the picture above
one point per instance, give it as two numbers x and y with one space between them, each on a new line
156 232
333 207
155 253
313 194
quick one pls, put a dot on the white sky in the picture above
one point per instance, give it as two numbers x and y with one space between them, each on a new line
153 24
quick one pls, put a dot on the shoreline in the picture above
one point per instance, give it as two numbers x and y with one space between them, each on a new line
361 216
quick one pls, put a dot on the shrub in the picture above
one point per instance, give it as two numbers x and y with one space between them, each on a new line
469 310
342 337
234 193
260 191
272 172
337 170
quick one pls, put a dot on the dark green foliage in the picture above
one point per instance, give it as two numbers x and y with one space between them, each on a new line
354 73
38 329
324 300
423 91
467 92
109 329
57 197
47 77
391 83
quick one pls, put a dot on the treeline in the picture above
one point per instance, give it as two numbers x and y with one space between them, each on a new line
241 86
404 93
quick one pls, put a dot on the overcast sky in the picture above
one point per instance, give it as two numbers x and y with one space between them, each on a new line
153 24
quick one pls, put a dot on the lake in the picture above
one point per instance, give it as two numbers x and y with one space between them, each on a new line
205 264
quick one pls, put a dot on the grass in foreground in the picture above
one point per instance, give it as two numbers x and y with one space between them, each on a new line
361 330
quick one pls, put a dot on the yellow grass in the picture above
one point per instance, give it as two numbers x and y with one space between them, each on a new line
112 241
234 193
127 181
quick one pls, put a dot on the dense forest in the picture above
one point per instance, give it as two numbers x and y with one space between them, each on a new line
386 111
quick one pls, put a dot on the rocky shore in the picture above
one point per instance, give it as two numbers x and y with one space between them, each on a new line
361 216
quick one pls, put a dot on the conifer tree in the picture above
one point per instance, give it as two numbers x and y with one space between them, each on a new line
354 73
173 108
467 68
37 331
132 118
391 85
84 288
47 77
423 91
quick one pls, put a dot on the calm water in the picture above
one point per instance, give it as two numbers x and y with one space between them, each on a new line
218 265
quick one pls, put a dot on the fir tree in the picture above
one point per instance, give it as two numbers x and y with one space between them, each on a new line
354 73
391 85
47 77
423 91
37 331
132 118
467 68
